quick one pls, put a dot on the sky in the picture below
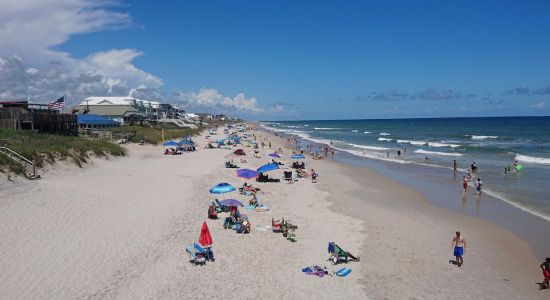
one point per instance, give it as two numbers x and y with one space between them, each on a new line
284 60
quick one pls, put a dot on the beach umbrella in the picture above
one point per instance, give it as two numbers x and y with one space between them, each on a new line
187 142
231 202
298 156
247 173
239 152
222 188
170 144
267 168
205 239
275 155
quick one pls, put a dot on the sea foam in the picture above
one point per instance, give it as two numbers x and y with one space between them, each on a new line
533 159
420 151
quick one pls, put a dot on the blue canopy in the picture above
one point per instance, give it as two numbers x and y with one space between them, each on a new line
247 173
298 156
170 144
222 188
267 168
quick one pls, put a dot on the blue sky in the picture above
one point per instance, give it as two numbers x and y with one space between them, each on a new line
329 59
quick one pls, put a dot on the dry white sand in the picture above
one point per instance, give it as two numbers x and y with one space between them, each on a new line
118 229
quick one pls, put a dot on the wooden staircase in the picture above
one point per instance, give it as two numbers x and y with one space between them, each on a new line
18 158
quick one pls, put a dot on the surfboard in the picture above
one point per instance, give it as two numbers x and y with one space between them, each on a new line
343 272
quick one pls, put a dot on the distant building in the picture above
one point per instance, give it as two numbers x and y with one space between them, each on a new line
89 121
128 110
120 109
22 115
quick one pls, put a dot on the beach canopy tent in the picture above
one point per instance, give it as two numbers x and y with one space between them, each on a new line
187 142
298 156
239 152
95 121
222 188
205 239
170 144
267 168
231 202
247 173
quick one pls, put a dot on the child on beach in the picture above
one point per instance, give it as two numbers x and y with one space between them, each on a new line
465 183
545 266
314 176
478 186
459 247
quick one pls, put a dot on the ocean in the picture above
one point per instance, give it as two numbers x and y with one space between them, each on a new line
492 143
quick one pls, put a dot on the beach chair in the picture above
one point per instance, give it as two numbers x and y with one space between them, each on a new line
196 259
339 255
220 207
206 252
288 176
212 213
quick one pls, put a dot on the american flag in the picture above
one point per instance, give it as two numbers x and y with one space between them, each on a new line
57 104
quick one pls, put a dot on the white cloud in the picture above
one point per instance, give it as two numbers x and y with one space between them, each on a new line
539 105
211 98
30 69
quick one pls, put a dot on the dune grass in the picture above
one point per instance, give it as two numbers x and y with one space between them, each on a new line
49 148
153 135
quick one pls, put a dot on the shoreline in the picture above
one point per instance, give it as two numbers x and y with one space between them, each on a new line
437 185
491 238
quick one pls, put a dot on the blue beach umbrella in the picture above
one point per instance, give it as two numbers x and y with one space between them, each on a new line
222 188
298 156
267 168
170 144
275 155
187 142
231 202
247 173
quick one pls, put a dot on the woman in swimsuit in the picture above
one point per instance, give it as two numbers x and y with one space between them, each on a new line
459 246
465 183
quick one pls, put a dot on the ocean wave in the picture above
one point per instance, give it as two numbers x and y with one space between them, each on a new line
366 132
306 125
319 141
483 137
373 155
437 145
287 131
326 128
384 139
417 143
355 130
532 159
420 151
384 133
370 147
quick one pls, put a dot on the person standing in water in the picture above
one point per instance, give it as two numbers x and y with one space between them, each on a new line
465 183
459 247
454 165
478 186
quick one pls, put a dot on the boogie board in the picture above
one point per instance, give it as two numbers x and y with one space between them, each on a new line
343 272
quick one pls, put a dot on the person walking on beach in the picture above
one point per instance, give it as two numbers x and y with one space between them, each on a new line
459 247
465 183
454 165
478 186
545 266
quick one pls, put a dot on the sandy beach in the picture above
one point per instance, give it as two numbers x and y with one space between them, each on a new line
118 229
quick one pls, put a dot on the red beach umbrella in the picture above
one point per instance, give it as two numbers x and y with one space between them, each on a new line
205 239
